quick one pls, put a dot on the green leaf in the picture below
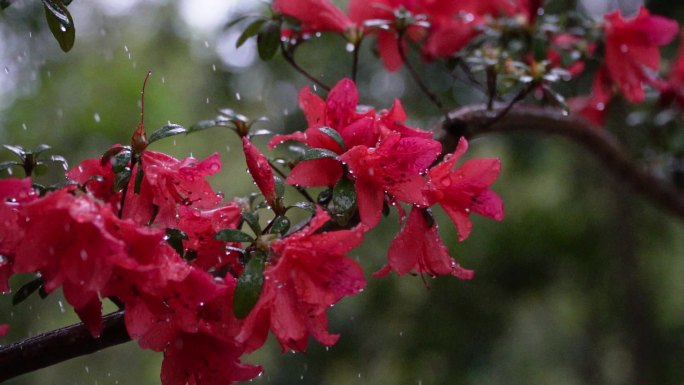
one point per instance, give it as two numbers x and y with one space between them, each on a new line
26 290
250 31
308 206
233 235
343 204
280 225
17 150
166 131
112 152
317 153
334 135
175 237
237 20
121 179
120 161
41 148
203 125
252 219
4 166
279 186
268 40
249 285
60 22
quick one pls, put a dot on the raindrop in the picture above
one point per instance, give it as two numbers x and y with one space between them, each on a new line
30 34
213 67
163 79
61 306
84 254
23 126
62 28
624 48
237 96
207 100
227 148
87 369
206 44
7 70
9 171
96 116
126 48
349 47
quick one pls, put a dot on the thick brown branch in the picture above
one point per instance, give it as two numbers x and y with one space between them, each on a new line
59 345
476 120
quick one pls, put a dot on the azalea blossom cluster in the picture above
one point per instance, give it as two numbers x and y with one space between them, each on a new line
627 46
148 231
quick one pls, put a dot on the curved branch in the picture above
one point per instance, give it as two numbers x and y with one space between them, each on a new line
476 120
60 345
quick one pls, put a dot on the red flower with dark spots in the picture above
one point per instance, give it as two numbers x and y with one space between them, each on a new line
395 167
632 49
200 227
168 182
465 189
68 241
418 248
307 273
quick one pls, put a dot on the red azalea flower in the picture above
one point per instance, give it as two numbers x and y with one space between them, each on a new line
167 183
307 274
14 193
464 189
67 240
4 329
97 178
395 166
632 47
200 227
261 171
315 15
418 248
339 113
202 359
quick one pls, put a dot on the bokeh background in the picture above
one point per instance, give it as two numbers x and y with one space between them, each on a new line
581 284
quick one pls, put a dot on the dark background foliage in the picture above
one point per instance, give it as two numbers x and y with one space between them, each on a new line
581 284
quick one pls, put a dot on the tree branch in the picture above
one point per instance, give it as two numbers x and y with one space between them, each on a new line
60 345
476 120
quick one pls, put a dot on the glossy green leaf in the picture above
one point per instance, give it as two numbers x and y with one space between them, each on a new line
252 220
268 40
175 237
317 153
279 186
166 131
334 135
249 285
120 161
280 225
251 30
4 166
61 23
41 148
203 125
343 204
17 150
121 179
233 235
308 206
26 290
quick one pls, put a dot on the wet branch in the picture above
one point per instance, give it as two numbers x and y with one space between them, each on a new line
477 120
59 345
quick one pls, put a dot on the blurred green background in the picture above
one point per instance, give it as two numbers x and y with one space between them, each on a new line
581 284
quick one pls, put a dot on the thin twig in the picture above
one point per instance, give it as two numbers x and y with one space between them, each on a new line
355 60
289 57
416 77
477 120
